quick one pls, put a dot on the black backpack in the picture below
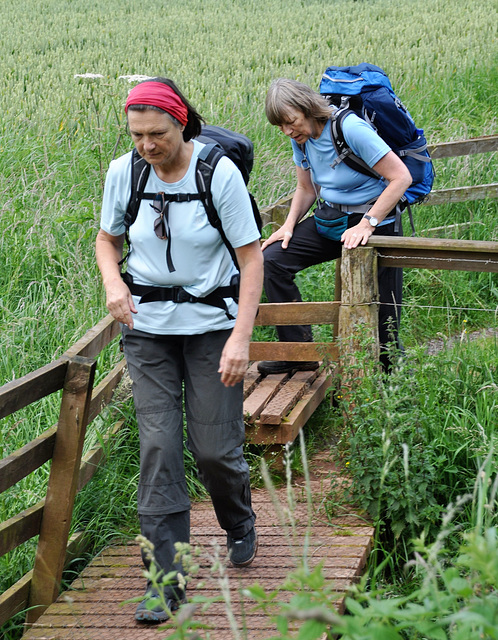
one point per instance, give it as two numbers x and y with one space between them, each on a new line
218 142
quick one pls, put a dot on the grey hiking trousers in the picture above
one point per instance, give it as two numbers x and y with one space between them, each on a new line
167 371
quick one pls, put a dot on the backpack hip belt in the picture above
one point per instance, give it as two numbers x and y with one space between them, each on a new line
179 295
351 208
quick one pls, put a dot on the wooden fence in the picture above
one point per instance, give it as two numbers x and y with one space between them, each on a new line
50 518
74 372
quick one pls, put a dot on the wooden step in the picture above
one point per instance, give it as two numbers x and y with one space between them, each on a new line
277 406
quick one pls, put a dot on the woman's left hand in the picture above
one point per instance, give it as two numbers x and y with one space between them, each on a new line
234 360
359 234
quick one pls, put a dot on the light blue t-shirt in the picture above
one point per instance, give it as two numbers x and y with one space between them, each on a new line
201 260
341 184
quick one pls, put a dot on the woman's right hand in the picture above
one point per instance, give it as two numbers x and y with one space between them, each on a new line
284 234
109 250
120 302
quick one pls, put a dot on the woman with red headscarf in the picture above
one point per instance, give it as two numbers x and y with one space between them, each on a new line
182 351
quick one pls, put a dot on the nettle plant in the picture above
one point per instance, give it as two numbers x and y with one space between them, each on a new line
412 445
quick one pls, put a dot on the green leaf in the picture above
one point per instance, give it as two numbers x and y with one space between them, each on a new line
461 586
354 607
311 630
381 632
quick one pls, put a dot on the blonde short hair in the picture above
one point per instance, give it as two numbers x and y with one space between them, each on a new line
285 94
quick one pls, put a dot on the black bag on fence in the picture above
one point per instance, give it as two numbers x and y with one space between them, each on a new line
332 223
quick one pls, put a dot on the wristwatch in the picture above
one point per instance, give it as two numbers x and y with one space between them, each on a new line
373 221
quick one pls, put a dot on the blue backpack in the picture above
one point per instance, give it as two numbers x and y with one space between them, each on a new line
366 90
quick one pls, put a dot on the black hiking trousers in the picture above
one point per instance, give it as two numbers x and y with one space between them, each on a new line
307 248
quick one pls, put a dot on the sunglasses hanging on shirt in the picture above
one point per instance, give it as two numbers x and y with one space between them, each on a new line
160 205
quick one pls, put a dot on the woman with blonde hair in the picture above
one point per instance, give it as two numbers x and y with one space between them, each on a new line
356 205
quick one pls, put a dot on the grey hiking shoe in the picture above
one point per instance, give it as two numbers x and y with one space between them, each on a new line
151 611
242 551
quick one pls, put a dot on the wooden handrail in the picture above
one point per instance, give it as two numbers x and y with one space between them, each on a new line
20 393
436 253
483 144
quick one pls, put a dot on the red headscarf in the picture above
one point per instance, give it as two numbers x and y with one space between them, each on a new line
158 94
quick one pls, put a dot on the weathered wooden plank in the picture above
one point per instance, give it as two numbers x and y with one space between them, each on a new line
95 339
462 194
21 527
288 429
445 260
483 144
359 313
447 231
32 387
251 379
103 392
54 531
263 393
22 462
26 524
308 404
288 313
437 253
295 351
15 599
433 244
287 397
277 212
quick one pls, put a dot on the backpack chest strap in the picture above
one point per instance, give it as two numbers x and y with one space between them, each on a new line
174 197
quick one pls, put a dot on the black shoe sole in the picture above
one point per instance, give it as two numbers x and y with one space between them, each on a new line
296 366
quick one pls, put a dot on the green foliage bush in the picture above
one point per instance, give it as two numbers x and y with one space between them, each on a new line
414 439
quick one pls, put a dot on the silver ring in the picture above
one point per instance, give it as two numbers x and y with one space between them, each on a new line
354 235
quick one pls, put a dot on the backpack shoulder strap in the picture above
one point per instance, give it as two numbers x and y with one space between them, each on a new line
140 170
344 152
207 160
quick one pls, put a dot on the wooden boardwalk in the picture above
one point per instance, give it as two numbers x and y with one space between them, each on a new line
93 607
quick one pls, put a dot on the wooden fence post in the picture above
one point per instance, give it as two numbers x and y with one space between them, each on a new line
359 310
62 486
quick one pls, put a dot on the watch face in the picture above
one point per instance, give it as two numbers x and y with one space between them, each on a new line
373 221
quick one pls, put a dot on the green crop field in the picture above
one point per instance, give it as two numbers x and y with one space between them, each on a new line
66 67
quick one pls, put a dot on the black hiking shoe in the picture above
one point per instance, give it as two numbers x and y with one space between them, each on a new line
242 551
151 611
266 367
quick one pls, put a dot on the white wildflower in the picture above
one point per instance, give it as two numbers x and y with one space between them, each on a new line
88 76
136 78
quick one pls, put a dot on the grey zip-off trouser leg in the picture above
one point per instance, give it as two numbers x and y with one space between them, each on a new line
165 370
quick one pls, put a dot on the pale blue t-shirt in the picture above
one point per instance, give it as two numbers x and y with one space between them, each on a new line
200 257
341 184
